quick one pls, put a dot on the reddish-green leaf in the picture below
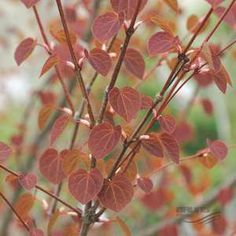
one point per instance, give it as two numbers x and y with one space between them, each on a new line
50 62
145 184
50 165
100 61
126 102
107 25
85 186
218 149
208 160
161 42
103 139
5 151
58 127
171 146
167 123
29 3
153 145
116 193
27 181
24 49
134 62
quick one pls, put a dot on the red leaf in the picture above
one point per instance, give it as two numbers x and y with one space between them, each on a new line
218 149
116 193
134 62
50 62
225 195
106 26
85 186
153 145
126 102
30 3
103 139
127 6
44 115
171 146
145 184
5 151
207 106
183 132
100 61
50 165
210 57
58 126
204 78
28 181
169 229
36 232
24 49
167 123
161 42
146 102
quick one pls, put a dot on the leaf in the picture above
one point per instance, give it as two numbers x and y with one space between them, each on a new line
59 34
192 23
100 61
116 193
164 24
153 145
134 62
207 106
212 59
146 102
44 115
130 172
27 181
5 151
103 139
218 149
161 42
36 232
29 3
173 4
24 204
73 160
50 165
127 6
50 62
171 146
145 184
124 227
167 123
126 102
107 25
208 160
85 186
24 50
59 125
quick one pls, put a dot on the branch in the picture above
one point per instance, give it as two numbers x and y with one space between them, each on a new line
77 67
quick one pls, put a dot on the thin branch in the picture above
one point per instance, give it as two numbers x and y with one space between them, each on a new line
74 59
14 211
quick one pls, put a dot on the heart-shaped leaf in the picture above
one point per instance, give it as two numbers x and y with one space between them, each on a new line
27 181
100 61
50 165
218 149
145 184
116 193
107 25
103 138
167 123
134 62
85 186
126 102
